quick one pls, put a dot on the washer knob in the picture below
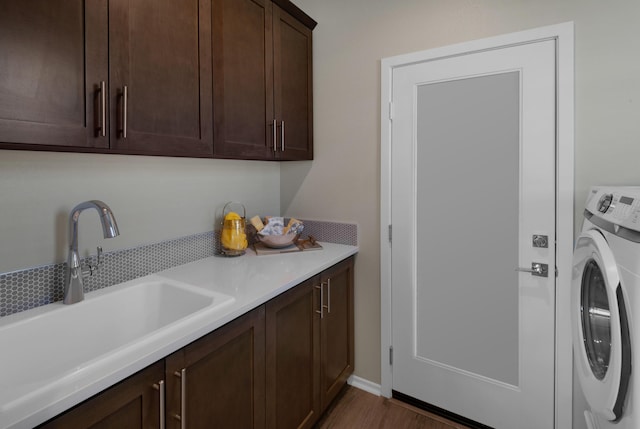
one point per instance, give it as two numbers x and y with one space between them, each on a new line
605 202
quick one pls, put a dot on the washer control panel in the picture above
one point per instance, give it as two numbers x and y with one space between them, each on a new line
620 206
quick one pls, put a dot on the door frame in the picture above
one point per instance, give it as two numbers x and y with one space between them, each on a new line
563 35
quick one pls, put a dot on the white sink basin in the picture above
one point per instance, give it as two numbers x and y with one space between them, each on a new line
57 341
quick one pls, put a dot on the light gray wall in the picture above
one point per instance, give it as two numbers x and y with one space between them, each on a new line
153 199
352 36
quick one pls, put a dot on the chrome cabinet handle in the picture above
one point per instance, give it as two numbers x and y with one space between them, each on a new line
328 304
182 417
275 136
160 388
537 269
125 102
282 137
321 311
102 126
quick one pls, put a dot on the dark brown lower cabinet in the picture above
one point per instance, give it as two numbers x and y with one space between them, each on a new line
293 358
277 367
336 329
131 404
218 381
309 333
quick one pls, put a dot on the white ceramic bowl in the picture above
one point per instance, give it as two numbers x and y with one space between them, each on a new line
278 241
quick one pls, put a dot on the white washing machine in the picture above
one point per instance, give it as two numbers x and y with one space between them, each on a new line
605 295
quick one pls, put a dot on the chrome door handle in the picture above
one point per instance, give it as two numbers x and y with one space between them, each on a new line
125 105
328 296
282 136
322 306
275 136
102 127
182 417
159 386
537 269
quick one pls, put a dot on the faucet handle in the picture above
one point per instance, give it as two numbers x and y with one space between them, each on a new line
89 269
99 261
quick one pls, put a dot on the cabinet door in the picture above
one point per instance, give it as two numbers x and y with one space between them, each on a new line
218 381
292 86
131 404
336 330
47 47
293 353
160 57
242 79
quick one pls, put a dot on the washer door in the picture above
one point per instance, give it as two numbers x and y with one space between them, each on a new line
602 350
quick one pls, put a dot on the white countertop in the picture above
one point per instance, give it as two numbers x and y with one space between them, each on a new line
251 280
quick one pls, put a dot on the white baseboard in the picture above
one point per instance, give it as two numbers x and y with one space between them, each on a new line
366 385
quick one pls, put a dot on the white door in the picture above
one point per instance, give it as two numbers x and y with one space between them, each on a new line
473 146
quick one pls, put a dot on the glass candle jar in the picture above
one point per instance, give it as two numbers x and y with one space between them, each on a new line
233 236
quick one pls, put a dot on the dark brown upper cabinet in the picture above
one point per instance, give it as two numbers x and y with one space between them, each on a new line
262 82
157 77
116 76
47 48
292 83
242 76
160 77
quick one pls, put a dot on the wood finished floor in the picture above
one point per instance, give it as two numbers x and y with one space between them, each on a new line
357 409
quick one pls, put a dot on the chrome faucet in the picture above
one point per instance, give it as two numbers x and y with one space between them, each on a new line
76 273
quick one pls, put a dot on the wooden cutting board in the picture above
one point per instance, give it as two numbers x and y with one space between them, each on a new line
261 249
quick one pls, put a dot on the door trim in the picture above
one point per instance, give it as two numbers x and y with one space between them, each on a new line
563 35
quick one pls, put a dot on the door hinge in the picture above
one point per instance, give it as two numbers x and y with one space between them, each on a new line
391 110
390 233
391 355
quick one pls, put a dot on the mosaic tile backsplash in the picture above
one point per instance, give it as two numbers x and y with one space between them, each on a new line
33 287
